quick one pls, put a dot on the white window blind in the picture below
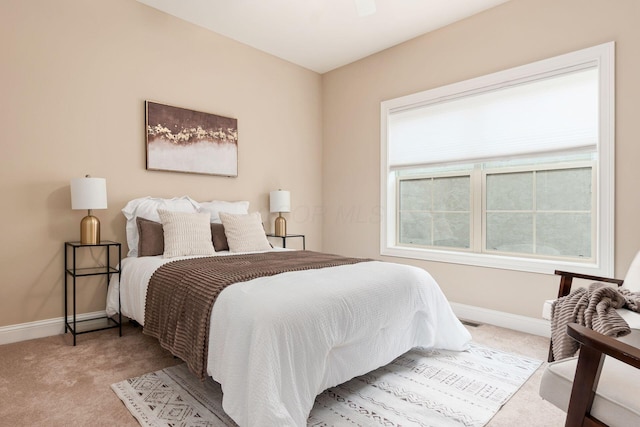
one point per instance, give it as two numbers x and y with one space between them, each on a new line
556 114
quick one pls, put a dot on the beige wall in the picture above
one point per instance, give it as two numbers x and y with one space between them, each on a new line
75 74
515 33
74 77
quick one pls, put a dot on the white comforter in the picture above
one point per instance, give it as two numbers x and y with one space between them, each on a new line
277 342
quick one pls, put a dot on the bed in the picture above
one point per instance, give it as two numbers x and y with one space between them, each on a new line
276 342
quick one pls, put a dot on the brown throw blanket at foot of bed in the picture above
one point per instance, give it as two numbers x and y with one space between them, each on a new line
181 295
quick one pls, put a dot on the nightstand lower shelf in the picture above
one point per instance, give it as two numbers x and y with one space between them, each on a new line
85 326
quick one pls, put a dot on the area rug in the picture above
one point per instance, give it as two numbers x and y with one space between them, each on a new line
420 388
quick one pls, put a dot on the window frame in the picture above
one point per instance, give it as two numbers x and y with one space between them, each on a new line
602 263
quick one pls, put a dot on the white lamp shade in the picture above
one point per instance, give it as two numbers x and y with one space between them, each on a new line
280 201
88 193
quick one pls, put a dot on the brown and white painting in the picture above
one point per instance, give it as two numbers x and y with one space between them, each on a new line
184 140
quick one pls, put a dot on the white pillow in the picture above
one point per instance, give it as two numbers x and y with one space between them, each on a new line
186 234
217 206
632 279
147 207
245 233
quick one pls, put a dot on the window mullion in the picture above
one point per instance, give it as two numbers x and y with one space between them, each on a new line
432 229
534 212
477 209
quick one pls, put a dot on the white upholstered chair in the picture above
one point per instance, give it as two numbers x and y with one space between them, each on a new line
630 282
600 387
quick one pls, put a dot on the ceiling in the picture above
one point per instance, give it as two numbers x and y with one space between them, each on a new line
322 35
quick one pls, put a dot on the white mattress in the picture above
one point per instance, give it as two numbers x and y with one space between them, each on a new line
276 342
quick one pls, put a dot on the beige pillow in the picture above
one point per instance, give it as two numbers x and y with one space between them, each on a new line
186 233
244 232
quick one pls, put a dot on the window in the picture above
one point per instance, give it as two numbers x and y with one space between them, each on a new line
511 170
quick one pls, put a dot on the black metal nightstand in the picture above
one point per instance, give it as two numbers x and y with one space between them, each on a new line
288 236
77 327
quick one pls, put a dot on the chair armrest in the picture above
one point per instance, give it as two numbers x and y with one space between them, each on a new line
610 346
567 278
589 277
593 349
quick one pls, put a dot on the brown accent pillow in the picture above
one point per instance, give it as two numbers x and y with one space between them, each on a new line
219 238
151 237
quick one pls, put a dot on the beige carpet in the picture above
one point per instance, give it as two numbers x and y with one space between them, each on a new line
47 382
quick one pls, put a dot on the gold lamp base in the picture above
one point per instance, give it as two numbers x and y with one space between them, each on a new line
90 230
281 226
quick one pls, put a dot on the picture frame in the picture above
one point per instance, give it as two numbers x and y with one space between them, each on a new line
189 141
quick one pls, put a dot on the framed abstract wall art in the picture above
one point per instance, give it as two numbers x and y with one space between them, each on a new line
183 140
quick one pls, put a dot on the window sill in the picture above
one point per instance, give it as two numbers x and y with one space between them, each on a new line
532 265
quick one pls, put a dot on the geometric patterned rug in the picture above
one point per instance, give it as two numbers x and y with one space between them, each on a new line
420 388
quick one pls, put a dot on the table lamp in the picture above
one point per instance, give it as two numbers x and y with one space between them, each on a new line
280 201
89 193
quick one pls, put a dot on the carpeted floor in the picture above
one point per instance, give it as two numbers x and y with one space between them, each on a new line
48 382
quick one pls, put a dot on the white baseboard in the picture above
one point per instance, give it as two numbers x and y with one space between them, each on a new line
40 328
516 322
